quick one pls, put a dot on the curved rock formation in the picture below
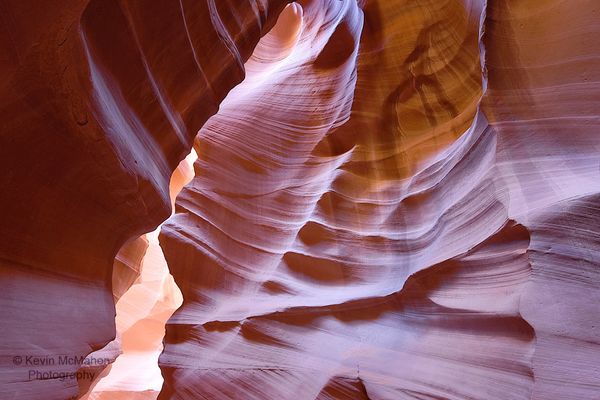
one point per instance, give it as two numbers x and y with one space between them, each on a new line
397 200
141 315
543 104
101 100
367 217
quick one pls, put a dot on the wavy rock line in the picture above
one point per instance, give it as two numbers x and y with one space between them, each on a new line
335 252
101 101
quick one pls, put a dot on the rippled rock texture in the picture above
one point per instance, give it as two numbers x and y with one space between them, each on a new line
399 199
100 101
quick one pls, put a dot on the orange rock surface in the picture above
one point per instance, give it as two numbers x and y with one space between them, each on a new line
392 199
100 100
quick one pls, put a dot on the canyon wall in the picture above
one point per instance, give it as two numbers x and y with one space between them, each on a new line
393 199
101 100
399 202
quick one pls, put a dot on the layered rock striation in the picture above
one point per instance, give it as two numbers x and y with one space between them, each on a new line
392 199
100 101
376 212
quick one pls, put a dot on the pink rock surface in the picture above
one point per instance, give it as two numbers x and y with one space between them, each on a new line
377 211
140 321
397 200
98 111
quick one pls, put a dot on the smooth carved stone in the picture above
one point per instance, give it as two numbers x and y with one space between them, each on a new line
377 207
100 100
392 199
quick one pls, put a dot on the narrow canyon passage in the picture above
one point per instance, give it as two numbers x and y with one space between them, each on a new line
141 314
145 306
384 199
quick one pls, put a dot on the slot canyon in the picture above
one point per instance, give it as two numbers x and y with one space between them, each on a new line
300 200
